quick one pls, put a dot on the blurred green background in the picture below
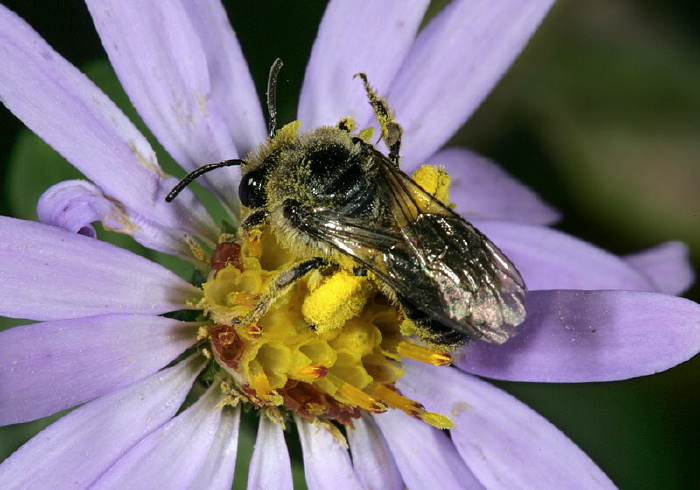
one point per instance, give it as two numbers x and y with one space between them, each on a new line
600 115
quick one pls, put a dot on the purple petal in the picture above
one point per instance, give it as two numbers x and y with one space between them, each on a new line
505 443
51 274
483 190
360 36
667 265
425 455
48 367
218 469
371 457
104 429
550 259
326 460
582 336
170 456
183 69
270 466
453 65
71 114
75 204
232 91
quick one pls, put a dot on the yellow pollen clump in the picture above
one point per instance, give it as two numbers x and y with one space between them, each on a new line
338 299
435 181
367 134
326 348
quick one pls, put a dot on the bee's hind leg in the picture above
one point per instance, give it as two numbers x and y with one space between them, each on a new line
391 130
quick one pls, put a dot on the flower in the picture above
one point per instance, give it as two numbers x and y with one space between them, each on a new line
107 339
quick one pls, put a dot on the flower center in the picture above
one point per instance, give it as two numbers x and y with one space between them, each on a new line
329 346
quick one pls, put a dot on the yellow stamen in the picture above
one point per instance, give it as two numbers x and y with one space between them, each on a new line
313 372
265 392
275 416
196 248
202 333
253 331
254 244
393 399
361 399
437 420
411 407
245 299
423 354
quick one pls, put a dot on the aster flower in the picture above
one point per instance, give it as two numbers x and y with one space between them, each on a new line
125 341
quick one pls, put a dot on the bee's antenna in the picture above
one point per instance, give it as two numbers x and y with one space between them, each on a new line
272 96
196 173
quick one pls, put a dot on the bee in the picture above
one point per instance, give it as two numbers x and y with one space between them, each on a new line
338 198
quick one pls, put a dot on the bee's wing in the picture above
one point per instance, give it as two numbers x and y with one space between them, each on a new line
431 257
476 289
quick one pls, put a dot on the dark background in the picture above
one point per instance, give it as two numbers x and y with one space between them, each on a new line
600 115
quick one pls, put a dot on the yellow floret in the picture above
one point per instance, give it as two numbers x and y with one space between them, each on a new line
327 348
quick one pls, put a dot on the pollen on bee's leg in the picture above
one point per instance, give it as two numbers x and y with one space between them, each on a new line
423 354
347 124
336 300
366 134
391 130
435 181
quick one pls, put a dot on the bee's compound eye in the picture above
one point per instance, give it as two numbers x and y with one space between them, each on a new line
251 190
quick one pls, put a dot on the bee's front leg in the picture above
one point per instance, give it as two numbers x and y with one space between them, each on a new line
255 219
